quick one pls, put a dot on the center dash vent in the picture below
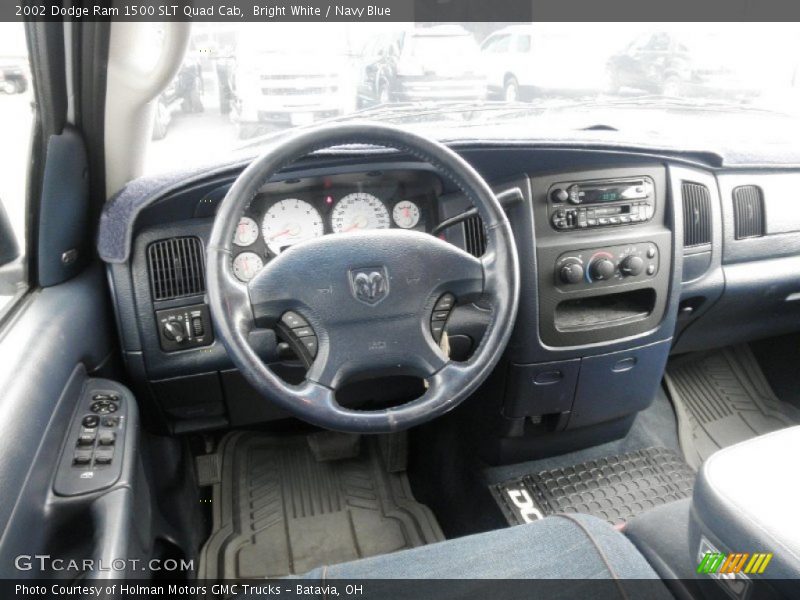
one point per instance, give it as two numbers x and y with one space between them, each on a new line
176 268
696 214
748 212
475 236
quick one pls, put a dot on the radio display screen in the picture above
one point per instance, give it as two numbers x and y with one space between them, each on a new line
592 196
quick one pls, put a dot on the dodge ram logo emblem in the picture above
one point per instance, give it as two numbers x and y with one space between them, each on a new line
370 285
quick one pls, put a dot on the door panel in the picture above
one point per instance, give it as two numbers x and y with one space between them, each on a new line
57 336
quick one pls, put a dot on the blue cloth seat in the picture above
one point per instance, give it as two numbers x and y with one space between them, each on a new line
573 551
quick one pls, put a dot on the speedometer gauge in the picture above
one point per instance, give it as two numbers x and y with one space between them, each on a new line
246 232
359 210
247 265
290 222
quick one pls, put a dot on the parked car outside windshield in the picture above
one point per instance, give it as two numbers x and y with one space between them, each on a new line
421 64
254 80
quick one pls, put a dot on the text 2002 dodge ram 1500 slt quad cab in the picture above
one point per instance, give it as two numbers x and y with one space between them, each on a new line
540 346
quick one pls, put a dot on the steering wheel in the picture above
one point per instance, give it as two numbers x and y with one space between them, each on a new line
368 297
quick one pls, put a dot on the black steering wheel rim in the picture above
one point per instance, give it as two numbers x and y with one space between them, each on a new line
233 306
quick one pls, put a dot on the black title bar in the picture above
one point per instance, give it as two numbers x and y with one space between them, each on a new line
402 10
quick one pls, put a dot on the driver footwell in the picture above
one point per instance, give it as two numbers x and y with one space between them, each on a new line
278 511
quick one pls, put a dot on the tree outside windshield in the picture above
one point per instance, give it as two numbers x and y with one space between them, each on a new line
241 82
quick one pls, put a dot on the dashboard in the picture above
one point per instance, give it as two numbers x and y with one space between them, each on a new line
625 258
289 212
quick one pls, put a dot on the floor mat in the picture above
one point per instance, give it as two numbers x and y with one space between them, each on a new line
277 511
722 398
615 488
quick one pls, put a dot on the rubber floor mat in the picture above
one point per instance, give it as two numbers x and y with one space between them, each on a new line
614 488
722 398
277 511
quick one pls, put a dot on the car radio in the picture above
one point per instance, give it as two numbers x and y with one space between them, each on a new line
588 204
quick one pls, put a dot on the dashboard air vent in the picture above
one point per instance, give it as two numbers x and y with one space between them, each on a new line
475 236
696 214
176 268
748 211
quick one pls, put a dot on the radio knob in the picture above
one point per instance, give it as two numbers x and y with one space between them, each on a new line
601 269
631 265
574 193
571 272
559 195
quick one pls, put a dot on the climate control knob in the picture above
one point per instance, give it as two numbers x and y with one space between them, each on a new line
571 272
601 269
631 265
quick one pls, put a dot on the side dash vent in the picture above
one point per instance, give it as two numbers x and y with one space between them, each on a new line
176 268
748 212
696 214
475 236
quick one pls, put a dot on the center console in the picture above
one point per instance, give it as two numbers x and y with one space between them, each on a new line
595 323
603 255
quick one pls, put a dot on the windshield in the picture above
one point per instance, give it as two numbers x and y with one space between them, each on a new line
251 38
425 46
239 84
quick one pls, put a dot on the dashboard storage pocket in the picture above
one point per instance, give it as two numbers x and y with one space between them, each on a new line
618 384
541 389
606 310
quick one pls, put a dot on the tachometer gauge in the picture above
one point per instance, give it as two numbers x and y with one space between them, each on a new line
359 210
290 222
406 214
247 265
246 232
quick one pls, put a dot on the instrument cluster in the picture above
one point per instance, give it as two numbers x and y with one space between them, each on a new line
289 213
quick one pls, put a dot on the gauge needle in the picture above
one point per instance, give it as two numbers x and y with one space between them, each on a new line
282 233
358 223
